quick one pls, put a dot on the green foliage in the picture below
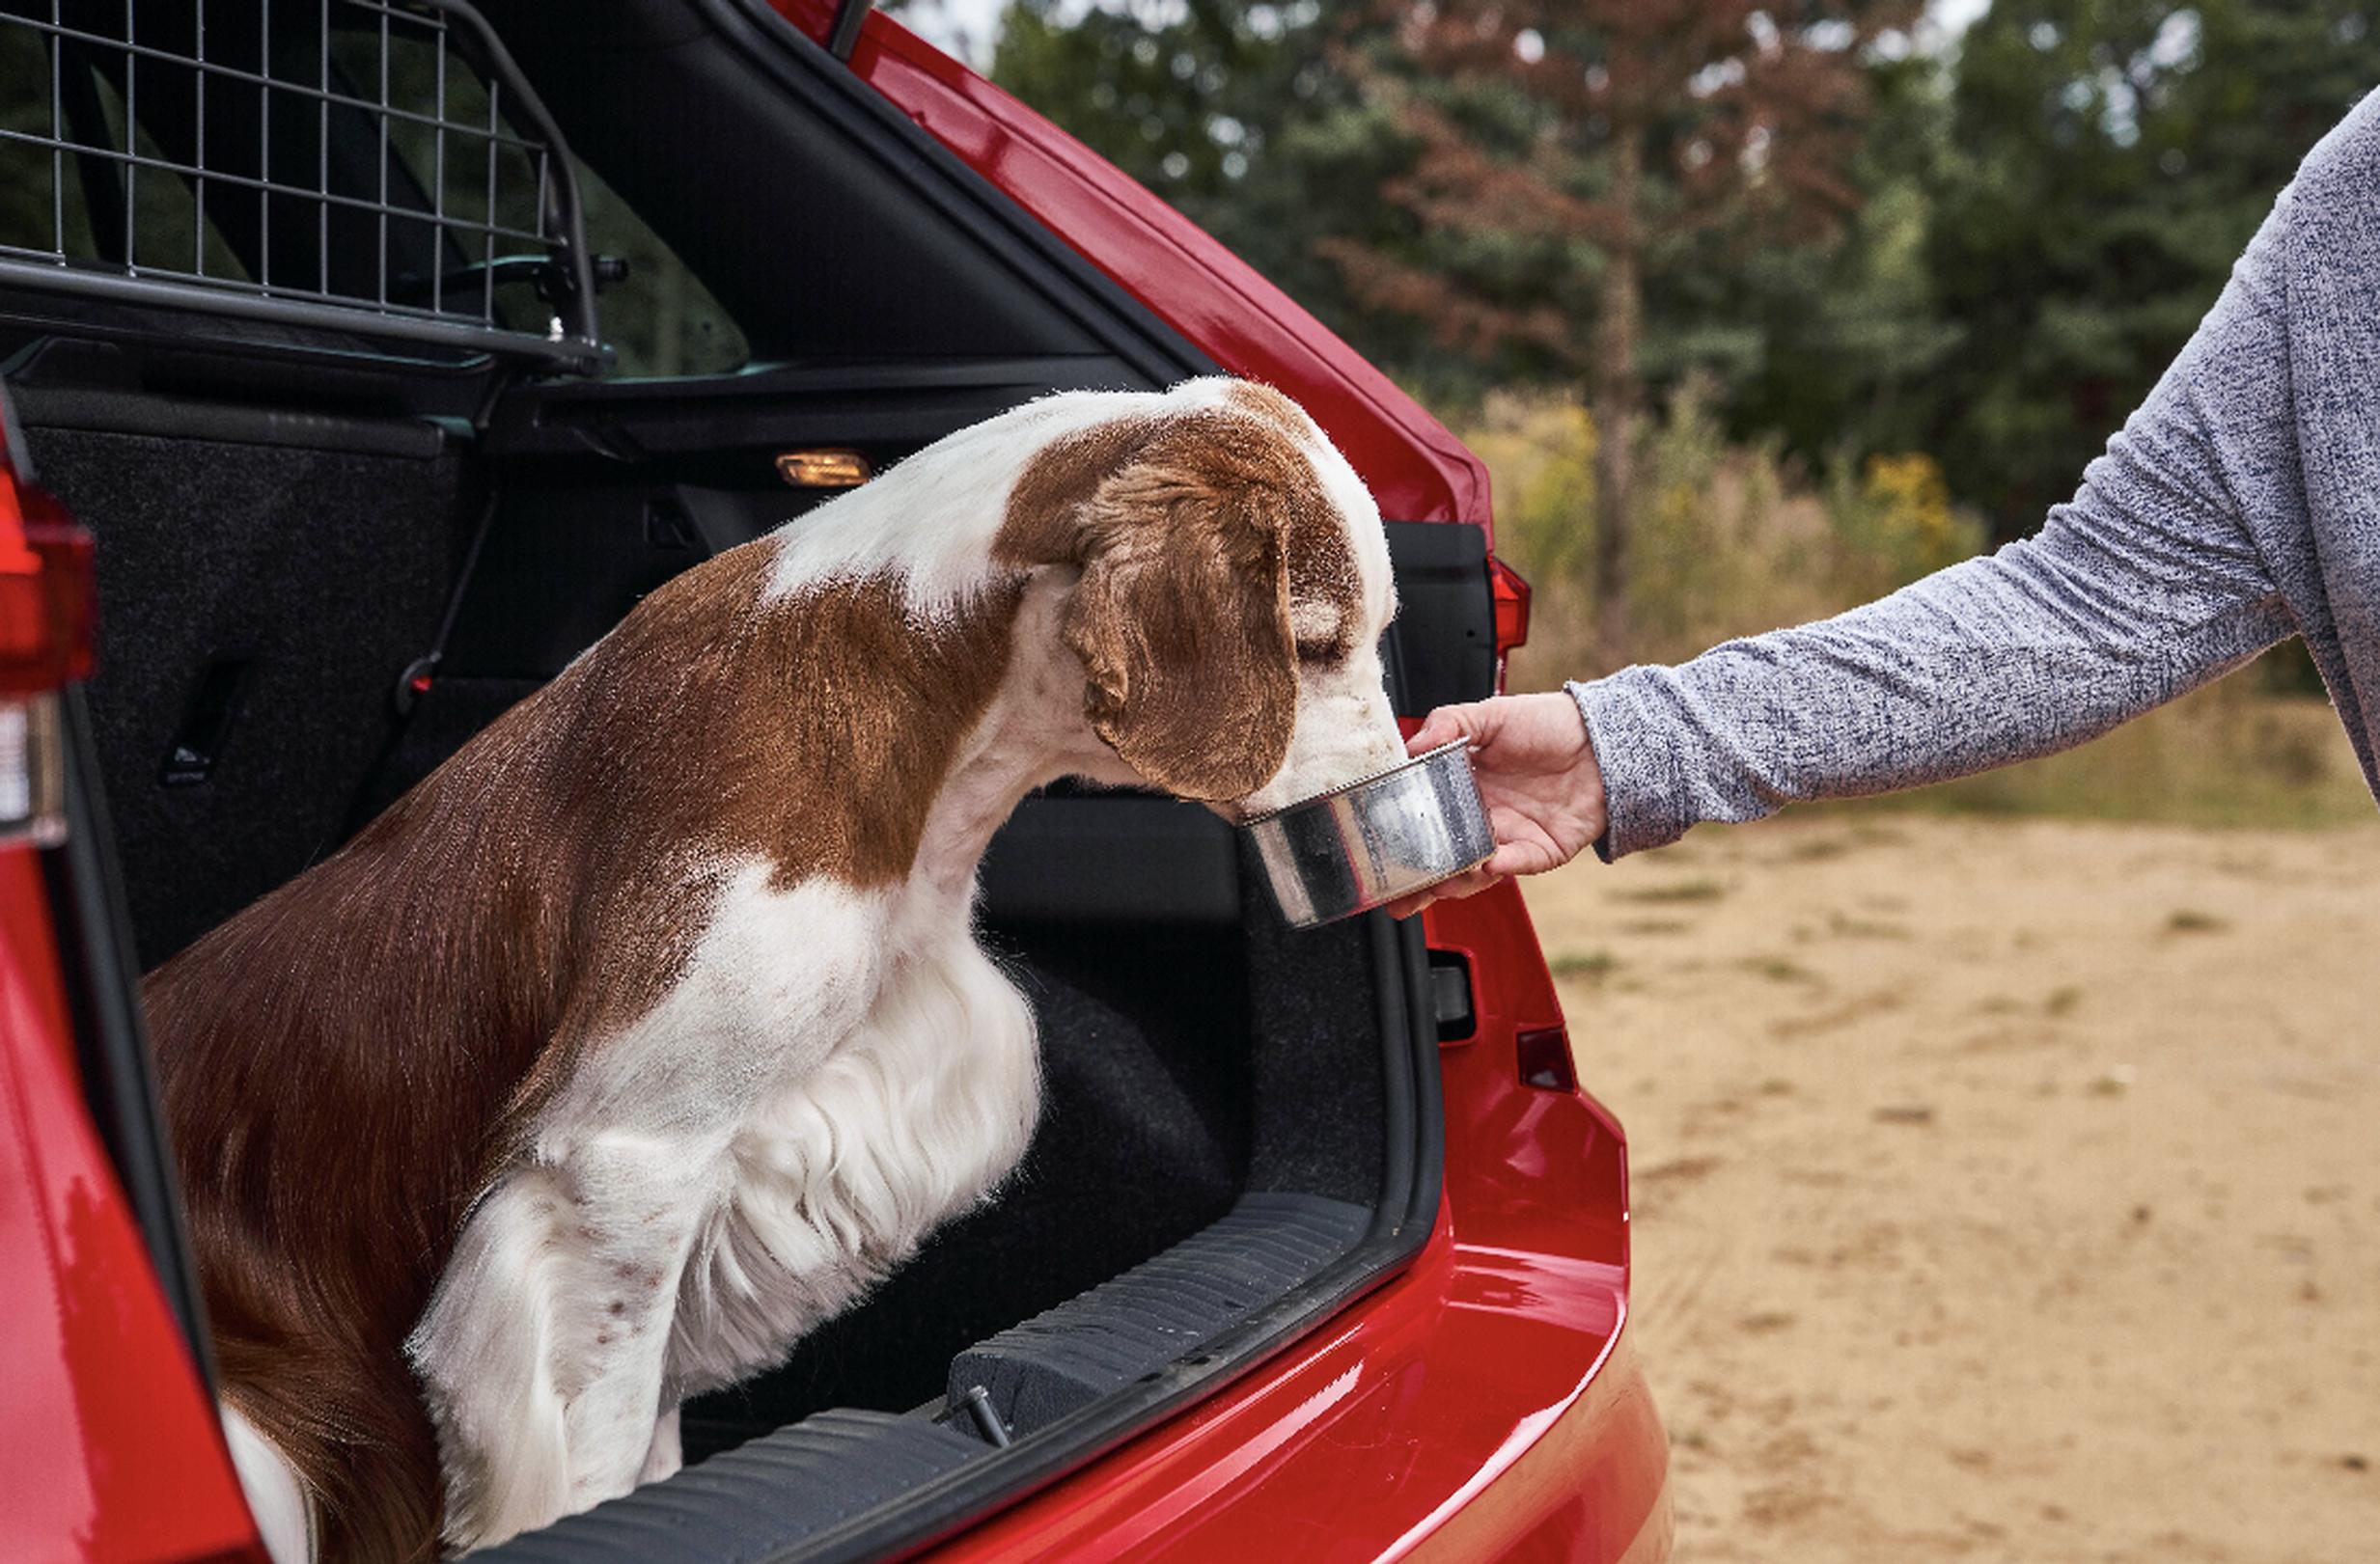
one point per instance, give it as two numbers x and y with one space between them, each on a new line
2107 161
1894 522
2038 215
1836 345
1235 113
2227 756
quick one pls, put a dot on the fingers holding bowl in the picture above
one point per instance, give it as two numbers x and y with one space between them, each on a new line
1469 883
1446 725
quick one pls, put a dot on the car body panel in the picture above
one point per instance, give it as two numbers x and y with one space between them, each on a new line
109 1448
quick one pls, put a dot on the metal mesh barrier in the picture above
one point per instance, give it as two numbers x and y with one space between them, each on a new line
372 166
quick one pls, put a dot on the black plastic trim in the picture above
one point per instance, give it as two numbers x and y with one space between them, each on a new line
1449 976
167 418
734 1507
147 324
1446 615
356 319
904 403
1163 1308
986 214
111 1034
844 36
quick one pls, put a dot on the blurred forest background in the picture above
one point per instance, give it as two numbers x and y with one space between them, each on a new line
1755 309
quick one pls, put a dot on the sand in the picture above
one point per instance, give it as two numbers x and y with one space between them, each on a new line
2003 1191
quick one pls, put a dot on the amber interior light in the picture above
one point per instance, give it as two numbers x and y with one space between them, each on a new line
824 469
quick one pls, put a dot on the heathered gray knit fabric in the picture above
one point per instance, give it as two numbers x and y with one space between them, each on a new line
2240 506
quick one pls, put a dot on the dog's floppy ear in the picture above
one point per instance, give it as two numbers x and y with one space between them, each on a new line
1183 614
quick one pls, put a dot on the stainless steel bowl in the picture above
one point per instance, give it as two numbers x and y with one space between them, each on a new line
1367 843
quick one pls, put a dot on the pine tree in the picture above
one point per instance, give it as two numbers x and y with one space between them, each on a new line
2110 159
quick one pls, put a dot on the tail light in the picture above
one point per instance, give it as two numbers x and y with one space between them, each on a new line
1511 596
48 608
48 596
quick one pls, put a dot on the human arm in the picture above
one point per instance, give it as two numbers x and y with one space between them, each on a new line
2153 580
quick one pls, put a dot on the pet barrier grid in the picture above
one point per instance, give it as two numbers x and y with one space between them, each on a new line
444 295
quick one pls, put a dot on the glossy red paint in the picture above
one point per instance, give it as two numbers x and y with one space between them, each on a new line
1417 468
1480 1406
1510 590
109 1451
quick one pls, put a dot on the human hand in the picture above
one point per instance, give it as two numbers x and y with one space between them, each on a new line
1539 778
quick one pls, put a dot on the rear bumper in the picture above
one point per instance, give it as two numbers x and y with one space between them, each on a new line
1450 1417
1570 1494
1482 1405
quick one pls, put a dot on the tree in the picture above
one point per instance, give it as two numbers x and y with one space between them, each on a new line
2109 160
1836 345
1563 149
1231 111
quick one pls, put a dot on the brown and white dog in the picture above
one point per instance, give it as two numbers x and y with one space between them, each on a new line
649 1031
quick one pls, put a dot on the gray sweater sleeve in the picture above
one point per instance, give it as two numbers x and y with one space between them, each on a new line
2147 583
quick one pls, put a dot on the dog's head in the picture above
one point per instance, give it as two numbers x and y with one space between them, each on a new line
1235 584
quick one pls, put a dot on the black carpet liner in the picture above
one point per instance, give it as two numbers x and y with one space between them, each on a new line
303 583
1316 1085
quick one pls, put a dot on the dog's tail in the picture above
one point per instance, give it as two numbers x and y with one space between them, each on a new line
349 1426
276 1497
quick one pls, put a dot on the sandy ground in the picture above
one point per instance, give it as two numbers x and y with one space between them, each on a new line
2001 1191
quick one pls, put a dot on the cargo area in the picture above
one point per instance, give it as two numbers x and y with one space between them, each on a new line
304 611
384 403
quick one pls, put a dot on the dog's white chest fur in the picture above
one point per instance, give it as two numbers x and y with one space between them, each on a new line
834 1073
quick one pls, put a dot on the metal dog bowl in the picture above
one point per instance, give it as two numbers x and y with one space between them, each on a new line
1363 845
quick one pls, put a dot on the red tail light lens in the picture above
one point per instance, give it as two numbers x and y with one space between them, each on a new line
48 595
1512 592
1511 596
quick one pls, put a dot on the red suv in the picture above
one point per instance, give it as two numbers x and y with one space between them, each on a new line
364 360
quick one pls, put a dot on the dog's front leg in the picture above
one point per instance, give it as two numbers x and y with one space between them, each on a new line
543 1350
667 1453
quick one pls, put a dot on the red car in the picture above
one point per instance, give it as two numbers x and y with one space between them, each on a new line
365 362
